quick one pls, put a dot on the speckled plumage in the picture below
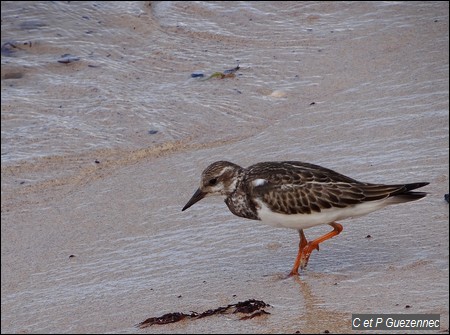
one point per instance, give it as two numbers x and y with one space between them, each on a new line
297 195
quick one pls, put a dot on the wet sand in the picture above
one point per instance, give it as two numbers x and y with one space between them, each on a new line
137 256
95 241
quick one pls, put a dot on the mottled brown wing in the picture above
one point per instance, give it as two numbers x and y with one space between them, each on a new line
291 172
296 187
316 196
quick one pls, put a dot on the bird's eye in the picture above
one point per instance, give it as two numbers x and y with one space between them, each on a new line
213 181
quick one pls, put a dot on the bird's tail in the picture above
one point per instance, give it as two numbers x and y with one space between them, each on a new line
404 194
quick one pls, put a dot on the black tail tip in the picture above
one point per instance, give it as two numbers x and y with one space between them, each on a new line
413 186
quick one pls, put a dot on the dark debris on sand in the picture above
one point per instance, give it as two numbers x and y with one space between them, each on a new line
247 307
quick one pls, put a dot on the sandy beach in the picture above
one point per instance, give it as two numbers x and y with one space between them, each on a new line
100 155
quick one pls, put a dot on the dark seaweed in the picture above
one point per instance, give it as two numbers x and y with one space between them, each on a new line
246 307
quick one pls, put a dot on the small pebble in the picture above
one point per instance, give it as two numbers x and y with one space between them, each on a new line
278 94
68 58
13 75
197 75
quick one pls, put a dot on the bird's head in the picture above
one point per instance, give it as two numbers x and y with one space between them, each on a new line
220 178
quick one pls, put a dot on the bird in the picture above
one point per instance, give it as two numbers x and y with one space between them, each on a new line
298 195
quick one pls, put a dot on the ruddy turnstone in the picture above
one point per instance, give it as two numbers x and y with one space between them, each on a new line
298 195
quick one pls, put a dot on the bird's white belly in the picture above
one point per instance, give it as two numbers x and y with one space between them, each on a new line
304 221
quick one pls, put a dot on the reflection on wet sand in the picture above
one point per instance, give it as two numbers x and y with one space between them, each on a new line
316 316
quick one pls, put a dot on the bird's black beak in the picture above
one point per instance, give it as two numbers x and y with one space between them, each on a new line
198 195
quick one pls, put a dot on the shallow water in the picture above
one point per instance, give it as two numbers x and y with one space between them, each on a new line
100 155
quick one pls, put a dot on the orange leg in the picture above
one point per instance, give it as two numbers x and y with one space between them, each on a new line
301 245
307 250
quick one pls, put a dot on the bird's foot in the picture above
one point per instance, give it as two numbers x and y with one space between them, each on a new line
307 253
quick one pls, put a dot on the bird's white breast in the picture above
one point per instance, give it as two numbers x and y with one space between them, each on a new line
304 221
